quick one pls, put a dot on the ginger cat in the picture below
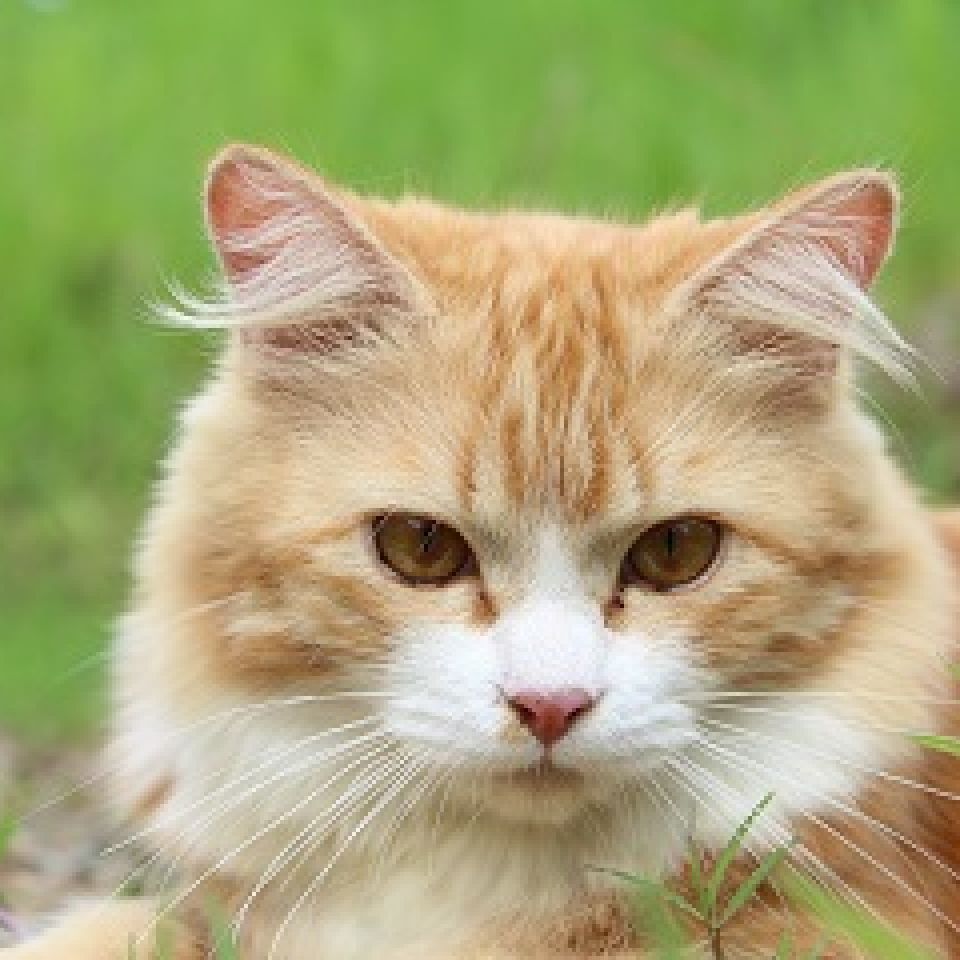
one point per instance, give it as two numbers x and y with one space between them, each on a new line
500 546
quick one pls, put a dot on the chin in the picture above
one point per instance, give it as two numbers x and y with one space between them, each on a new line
544 794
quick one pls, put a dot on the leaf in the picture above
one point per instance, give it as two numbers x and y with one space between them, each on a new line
938 742
729 854
750 886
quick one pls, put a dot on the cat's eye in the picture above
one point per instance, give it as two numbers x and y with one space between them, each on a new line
420 549
672 554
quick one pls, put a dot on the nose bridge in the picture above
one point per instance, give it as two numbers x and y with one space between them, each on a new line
551 644
554 638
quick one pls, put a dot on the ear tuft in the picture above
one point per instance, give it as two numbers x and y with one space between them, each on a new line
804 268
295 254
854 215
237 203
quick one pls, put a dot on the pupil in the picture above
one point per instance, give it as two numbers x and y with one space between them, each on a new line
427 535
671 541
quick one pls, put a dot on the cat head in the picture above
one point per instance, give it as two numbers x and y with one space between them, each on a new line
528 494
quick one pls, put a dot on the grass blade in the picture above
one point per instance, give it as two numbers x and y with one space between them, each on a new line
224 945
647 887
750 886
681 904
695 860
938 742
729 854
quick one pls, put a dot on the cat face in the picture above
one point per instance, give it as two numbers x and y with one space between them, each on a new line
526 493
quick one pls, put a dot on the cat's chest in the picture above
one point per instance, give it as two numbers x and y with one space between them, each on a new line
394 928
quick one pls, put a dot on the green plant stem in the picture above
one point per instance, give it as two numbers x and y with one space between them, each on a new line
716 947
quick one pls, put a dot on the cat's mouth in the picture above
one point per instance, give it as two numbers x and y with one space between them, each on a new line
544 775
543 792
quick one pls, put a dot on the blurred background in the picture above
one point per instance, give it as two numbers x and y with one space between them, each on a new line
109 110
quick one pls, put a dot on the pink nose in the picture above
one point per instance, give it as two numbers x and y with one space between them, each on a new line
549 716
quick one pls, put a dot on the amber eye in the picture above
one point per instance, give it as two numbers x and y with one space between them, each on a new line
420 549
672 554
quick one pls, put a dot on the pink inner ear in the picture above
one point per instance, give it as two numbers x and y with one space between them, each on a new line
866 217
237 203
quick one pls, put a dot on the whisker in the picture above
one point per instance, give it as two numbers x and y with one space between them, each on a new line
392 792
853 765
392 828
226 858
736 760
859 814
684 823
712 696
337 816
441 807
886 871
265 764
223 809
107 900
353 795
901 732
284 775
244 711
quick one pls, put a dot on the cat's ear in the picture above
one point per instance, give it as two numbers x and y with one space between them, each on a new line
797 276
295 253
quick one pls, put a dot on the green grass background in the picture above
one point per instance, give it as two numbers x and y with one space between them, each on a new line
110 108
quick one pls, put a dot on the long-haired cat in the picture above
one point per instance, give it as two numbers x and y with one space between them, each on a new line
503 547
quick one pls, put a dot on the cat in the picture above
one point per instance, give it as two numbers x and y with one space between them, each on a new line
502 550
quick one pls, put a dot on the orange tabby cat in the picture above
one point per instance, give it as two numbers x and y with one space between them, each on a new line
500 546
